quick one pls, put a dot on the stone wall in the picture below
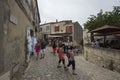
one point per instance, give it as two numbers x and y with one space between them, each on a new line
1 37
103 57
13 27
6 76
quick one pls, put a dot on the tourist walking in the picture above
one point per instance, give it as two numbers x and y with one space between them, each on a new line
29 45
71 60
43 46
54 47
37 49
31 41
61 56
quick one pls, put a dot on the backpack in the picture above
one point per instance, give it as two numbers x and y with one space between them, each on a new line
68 55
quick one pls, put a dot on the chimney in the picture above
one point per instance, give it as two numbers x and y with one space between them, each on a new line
56 20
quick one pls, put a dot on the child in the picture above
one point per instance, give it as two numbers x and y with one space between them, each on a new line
71 60
37 49
54 48
61 56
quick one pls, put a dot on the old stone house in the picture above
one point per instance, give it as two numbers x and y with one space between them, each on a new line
45 30
16 16
66 30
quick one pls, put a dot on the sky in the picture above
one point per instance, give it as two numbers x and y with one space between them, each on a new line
75 10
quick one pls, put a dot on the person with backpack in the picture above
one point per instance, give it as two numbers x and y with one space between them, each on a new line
71 60
68 50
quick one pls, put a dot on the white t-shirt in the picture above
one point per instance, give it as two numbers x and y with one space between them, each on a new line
34 41
31 43
29 40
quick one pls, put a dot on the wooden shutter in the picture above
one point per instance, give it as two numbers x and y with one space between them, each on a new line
66 28
70 28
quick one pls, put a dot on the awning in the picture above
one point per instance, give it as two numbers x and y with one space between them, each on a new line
106 29
110 33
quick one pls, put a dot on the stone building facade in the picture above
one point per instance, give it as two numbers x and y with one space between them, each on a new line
45 31
15 17
66 30
78 33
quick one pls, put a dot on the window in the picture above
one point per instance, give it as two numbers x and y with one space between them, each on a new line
47 28
40 29
56 29
68 28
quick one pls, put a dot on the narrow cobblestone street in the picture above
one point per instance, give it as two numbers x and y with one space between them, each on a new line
46 69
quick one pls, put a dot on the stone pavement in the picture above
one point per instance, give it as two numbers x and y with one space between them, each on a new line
46 69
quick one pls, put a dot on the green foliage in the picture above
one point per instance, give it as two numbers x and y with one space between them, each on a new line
107 18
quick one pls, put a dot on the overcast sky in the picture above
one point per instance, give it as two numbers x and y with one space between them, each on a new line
76 10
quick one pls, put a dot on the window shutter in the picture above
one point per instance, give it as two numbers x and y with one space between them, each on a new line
66 28
70 28
54 29
58 29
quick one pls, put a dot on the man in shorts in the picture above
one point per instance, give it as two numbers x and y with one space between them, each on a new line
43 46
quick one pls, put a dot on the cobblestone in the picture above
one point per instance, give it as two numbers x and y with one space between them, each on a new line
46 69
